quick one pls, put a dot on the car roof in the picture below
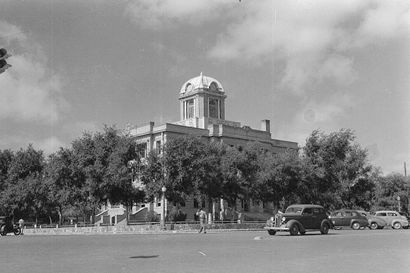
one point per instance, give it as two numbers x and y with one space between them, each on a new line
306 206
386 211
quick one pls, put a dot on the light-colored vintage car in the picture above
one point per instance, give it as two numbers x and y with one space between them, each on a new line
374 221
393 218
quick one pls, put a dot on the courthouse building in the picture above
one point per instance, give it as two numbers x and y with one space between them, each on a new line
202 113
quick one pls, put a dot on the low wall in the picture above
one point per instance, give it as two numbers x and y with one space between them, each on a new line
140 229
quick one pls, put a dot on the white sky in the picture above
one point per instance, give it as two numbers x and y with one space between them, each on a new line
303 64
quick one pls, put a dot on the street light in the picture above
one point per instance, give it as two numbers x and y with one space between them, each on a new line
163 189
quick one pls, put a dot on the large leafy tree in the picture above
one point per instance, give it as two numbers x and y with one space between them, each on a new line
23 193
181 162
6 157
280 178
103 159
232 179
210 184
388 188
151 173
64 180
118 181
333 165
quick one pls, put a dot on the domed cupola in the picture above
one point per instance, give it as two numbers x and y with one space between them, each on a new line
201 82
202 101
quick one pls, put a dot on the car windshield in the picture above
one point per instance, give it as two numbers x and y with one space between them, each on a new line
297 210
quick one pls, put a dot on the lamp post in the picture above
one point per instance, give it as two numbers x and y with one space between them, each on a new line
398 201
163 189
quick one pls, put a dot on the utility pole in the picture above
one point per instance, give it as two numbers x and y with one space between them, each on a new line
408 186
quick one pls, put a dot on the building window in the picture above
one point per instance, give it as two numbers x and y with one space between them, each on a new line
213 108
189 109
219 109
158 146
196 204
142 150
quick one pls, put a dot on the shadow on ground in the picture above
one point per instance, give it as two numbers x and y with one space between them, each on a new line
144 257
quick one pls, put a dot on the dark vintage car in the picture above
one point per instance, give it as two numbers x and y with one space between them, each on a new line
300 218
348 218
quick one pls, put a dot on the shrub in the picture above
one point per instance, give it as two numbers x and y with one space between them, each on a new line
152 216
177 215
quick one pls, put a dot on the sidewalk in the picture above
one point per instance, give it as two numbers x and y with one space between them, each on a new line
143 229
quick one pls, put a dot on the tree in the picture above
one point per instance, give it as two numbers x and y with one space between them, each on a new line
6 157
181 162
210 179
390 187
63 180
103 159
332 165
23 194
151 174
118 181
280 178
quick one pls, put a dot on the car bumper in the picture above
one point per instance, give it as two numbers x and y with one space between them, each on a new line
281 228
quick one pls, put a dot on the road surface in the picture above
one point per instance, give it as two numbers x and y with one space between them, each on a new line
339 251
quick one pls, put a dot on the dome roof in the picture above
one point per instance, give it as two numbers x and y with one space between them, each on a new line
202 82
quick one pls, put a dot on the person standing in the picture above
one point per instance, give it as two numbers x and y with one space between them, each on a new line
202 220
21 225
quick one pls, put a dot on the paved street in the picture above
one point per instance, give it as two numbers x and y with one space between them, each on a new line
340 251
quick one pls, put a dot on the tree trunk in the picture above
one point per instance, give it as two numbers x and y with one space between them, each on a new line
222 210
213 210
60 216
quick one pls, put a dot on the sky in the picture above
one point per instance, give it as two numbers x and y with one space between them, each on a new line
303 64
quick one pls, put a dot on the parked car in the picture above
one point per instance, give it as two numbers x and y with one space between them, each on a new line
374 221
300 218
393 218
348 218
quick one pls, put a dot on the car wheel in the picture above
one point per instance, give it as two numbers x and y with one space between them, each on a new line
355 226
373 225
324 228
396 225
271 232
3 230
294 230
17 231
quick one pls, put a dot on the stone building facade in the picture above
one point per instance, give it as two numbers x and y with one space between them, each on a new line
202 113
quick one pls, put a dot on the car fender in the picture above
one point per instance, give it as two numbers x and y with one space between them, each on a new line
293 221
327 221
361 223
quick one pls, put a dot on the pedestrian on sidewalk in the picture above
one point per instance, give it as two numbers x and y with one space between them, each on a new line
21 225
202 220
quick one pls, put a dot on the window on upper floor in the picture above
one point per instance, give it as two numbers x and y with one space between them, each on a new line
213 108
158 146
190 109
